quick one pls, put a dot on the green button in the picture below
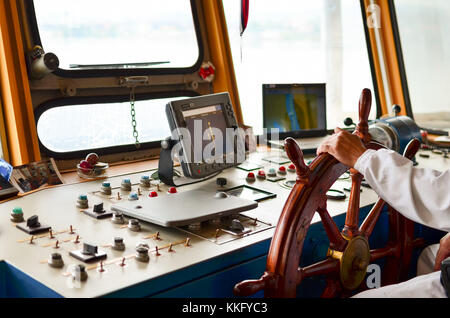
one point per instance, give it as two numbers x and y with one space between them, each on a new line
17 210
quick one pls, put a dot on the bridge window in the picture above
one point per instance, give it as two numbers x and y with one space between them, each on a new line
301 41
104 34
424 27
66 130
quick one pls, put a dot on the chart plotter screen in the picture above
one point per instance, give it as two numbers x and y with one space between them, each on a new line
294 108
210 121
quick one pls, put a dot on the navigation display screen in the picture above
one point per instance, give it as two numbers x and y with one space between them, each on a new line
210 121
294 107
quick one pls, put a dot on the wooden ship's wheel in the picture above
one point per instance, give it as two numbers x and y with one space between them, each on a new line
348 254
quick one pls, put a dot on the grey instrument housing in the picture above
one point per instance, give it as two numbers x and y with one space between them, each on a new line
174 112
185 207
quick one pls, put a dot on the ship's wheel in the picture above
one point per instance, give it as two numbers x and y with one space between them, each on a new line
349 254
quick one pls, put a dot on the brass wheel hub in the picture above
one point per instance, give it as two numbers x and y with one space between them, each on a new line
353 262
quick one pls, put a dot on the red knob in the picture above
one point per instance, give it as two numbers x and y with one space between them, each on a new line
173 190
153 194
261 173
250 177
282 168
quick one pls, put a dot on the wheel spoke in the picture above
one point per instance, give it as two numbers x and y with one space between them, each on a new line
351 219
337 242
390 250
327 266
332 289
369 223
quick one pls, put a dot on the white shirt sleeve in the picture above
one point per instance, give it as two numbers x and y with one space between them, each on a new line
419 194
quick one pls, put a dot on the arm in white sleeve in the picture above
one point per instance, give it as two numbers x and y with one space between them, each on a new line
419 194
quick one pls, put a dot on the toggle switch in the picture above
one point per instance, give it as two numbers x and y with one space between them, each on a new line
98 211
33 226
89 253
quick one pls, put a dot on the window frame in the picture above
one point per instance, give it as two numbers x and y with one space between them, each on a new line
370 49
86 73
400 60
105 99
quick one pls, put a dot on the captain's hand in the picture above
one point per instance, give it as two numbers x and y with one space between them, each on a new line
342 145
443 251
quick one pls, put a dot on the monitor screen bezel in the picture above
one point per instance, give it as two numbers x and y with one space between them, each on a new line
296 133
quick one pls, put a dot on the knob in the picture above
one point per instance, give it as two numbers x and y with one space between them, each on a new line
172 190
17 215
117 217
142 254
118 244
145 181
79 273
348 121
98 208
272 172
89 249
33 222
261 175
396 109
133 196
282 170
236 226
291 168
134 225
221 182
56 260
126 185
82 202
250 177
106 188
153 194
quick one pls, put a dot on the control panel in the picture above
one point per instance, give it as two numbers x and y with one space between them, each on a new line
71 241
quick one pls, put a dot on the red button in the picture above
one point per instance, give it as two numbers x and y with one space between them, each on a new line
173 190
153 194
261 173
251 175
282 168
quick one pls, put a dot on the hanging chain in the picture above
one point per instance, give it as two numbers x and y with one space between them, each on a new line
133 118
132 82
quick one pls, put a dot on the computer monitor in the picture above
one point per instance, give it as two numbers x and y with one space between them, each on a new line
297 110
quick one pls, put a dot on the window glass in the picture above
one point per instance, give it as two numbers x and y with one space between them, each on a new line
86 32
424 27
81 127
300 41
